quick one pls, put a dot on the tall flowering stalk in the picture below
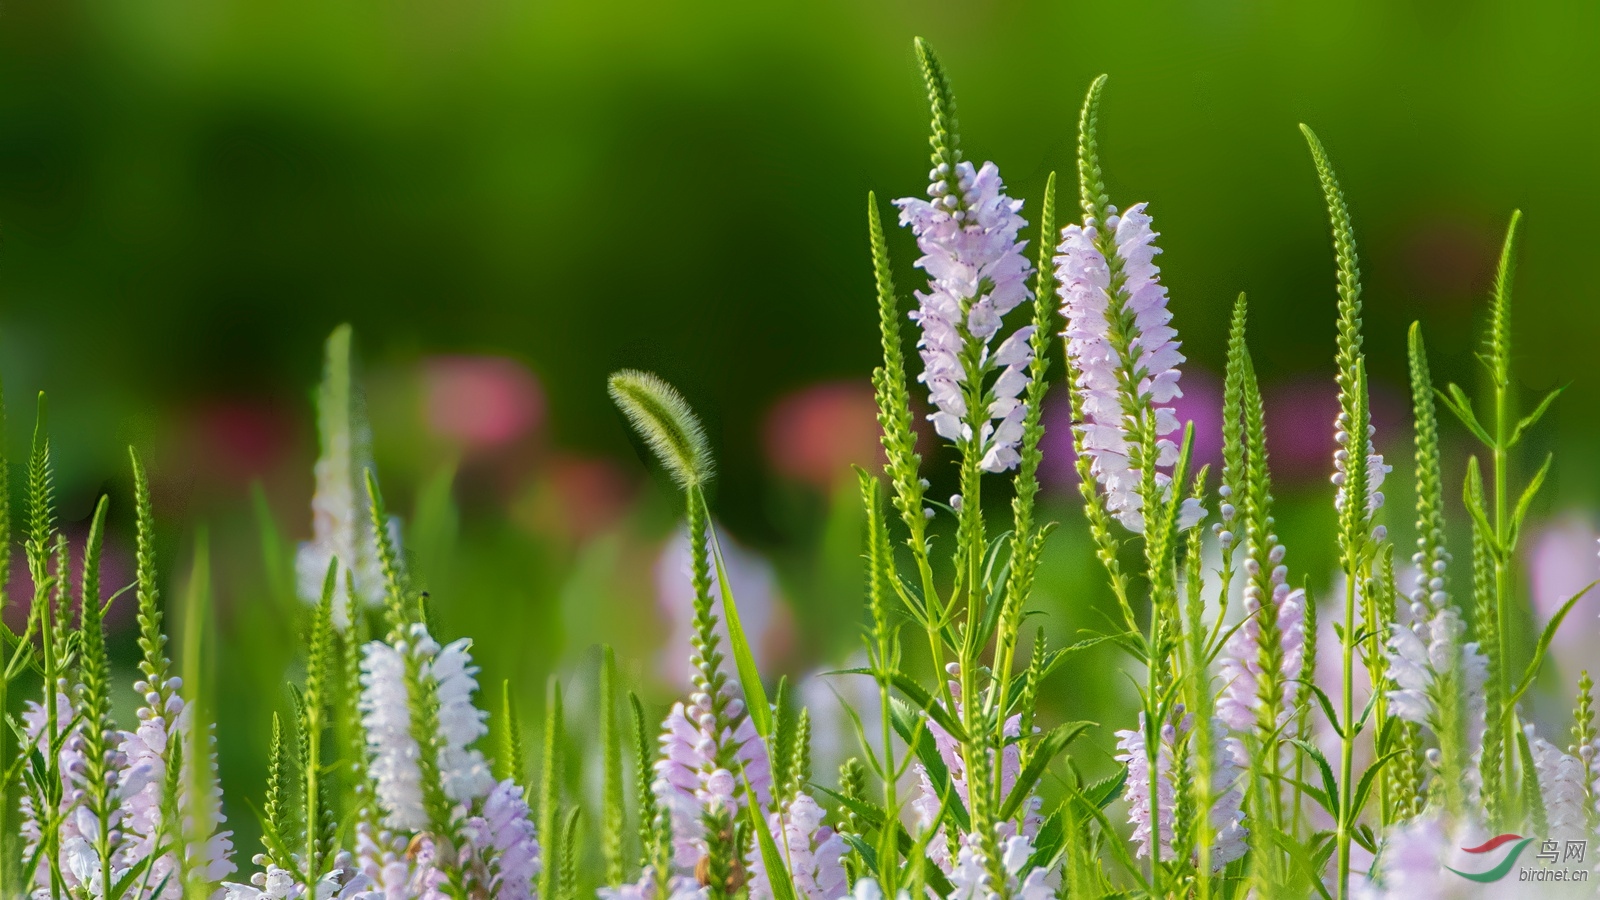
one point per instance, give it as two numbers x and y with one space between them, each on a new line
1495 533
713 758
1122 356
1358 475
987 400
340 527
1263 658
1436 677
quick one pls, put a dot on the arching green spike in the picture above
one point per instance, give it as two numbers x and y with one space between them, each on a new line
152 641
1497 344
946 139
1091 183
41 484
1349 264
388 559
1430 481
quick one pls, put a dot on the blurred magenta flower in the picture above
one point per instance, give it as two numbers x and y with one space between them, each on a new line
815 434
116 572
1300 424
481 402
755 588
1201 404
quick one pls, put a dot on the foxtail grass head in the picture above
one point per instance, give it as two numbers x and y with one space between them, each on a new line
666 423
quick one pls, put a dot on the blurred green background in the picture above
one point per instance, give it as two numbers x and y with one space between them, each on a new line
510 200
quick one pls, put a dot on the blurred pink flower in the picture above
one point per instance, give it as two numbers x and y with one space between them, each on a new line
755 589
1201 404
483 402
1560 561
815 434
575 497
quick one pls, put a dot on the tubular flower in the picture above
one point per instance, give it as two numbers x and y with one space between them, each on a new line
1241 701
1227 813
977 273
1376 470
395 755
506 833
678 888
971 881
343 882
386 716
1425 660
1008 767
1125 387
1561 784
164 724
76 827
813 853
690 782
463 773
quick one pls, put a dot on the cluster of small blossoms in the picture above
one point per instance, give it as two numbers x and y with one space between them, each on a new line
977 273
1376 470
1007 768
1424 651
679 887
1120 386
812 852
1562 786
491 841
970 879
342 882
1227 805
78 868
1241 699
690 782
165 721
137 771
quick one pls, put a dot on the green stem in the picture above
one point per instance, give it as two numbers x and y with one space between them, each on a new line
1506 735
1347 743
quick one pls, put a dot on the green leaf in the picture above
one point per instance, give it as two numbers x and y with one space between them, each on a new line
1115 844
1049 746
1302 861
1539 650
1526 500
772 860
922 700
1101 793
908 725
743 659
1472 497
1457 402
1367 778
1329 784
1529 420
869 856
1327 707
